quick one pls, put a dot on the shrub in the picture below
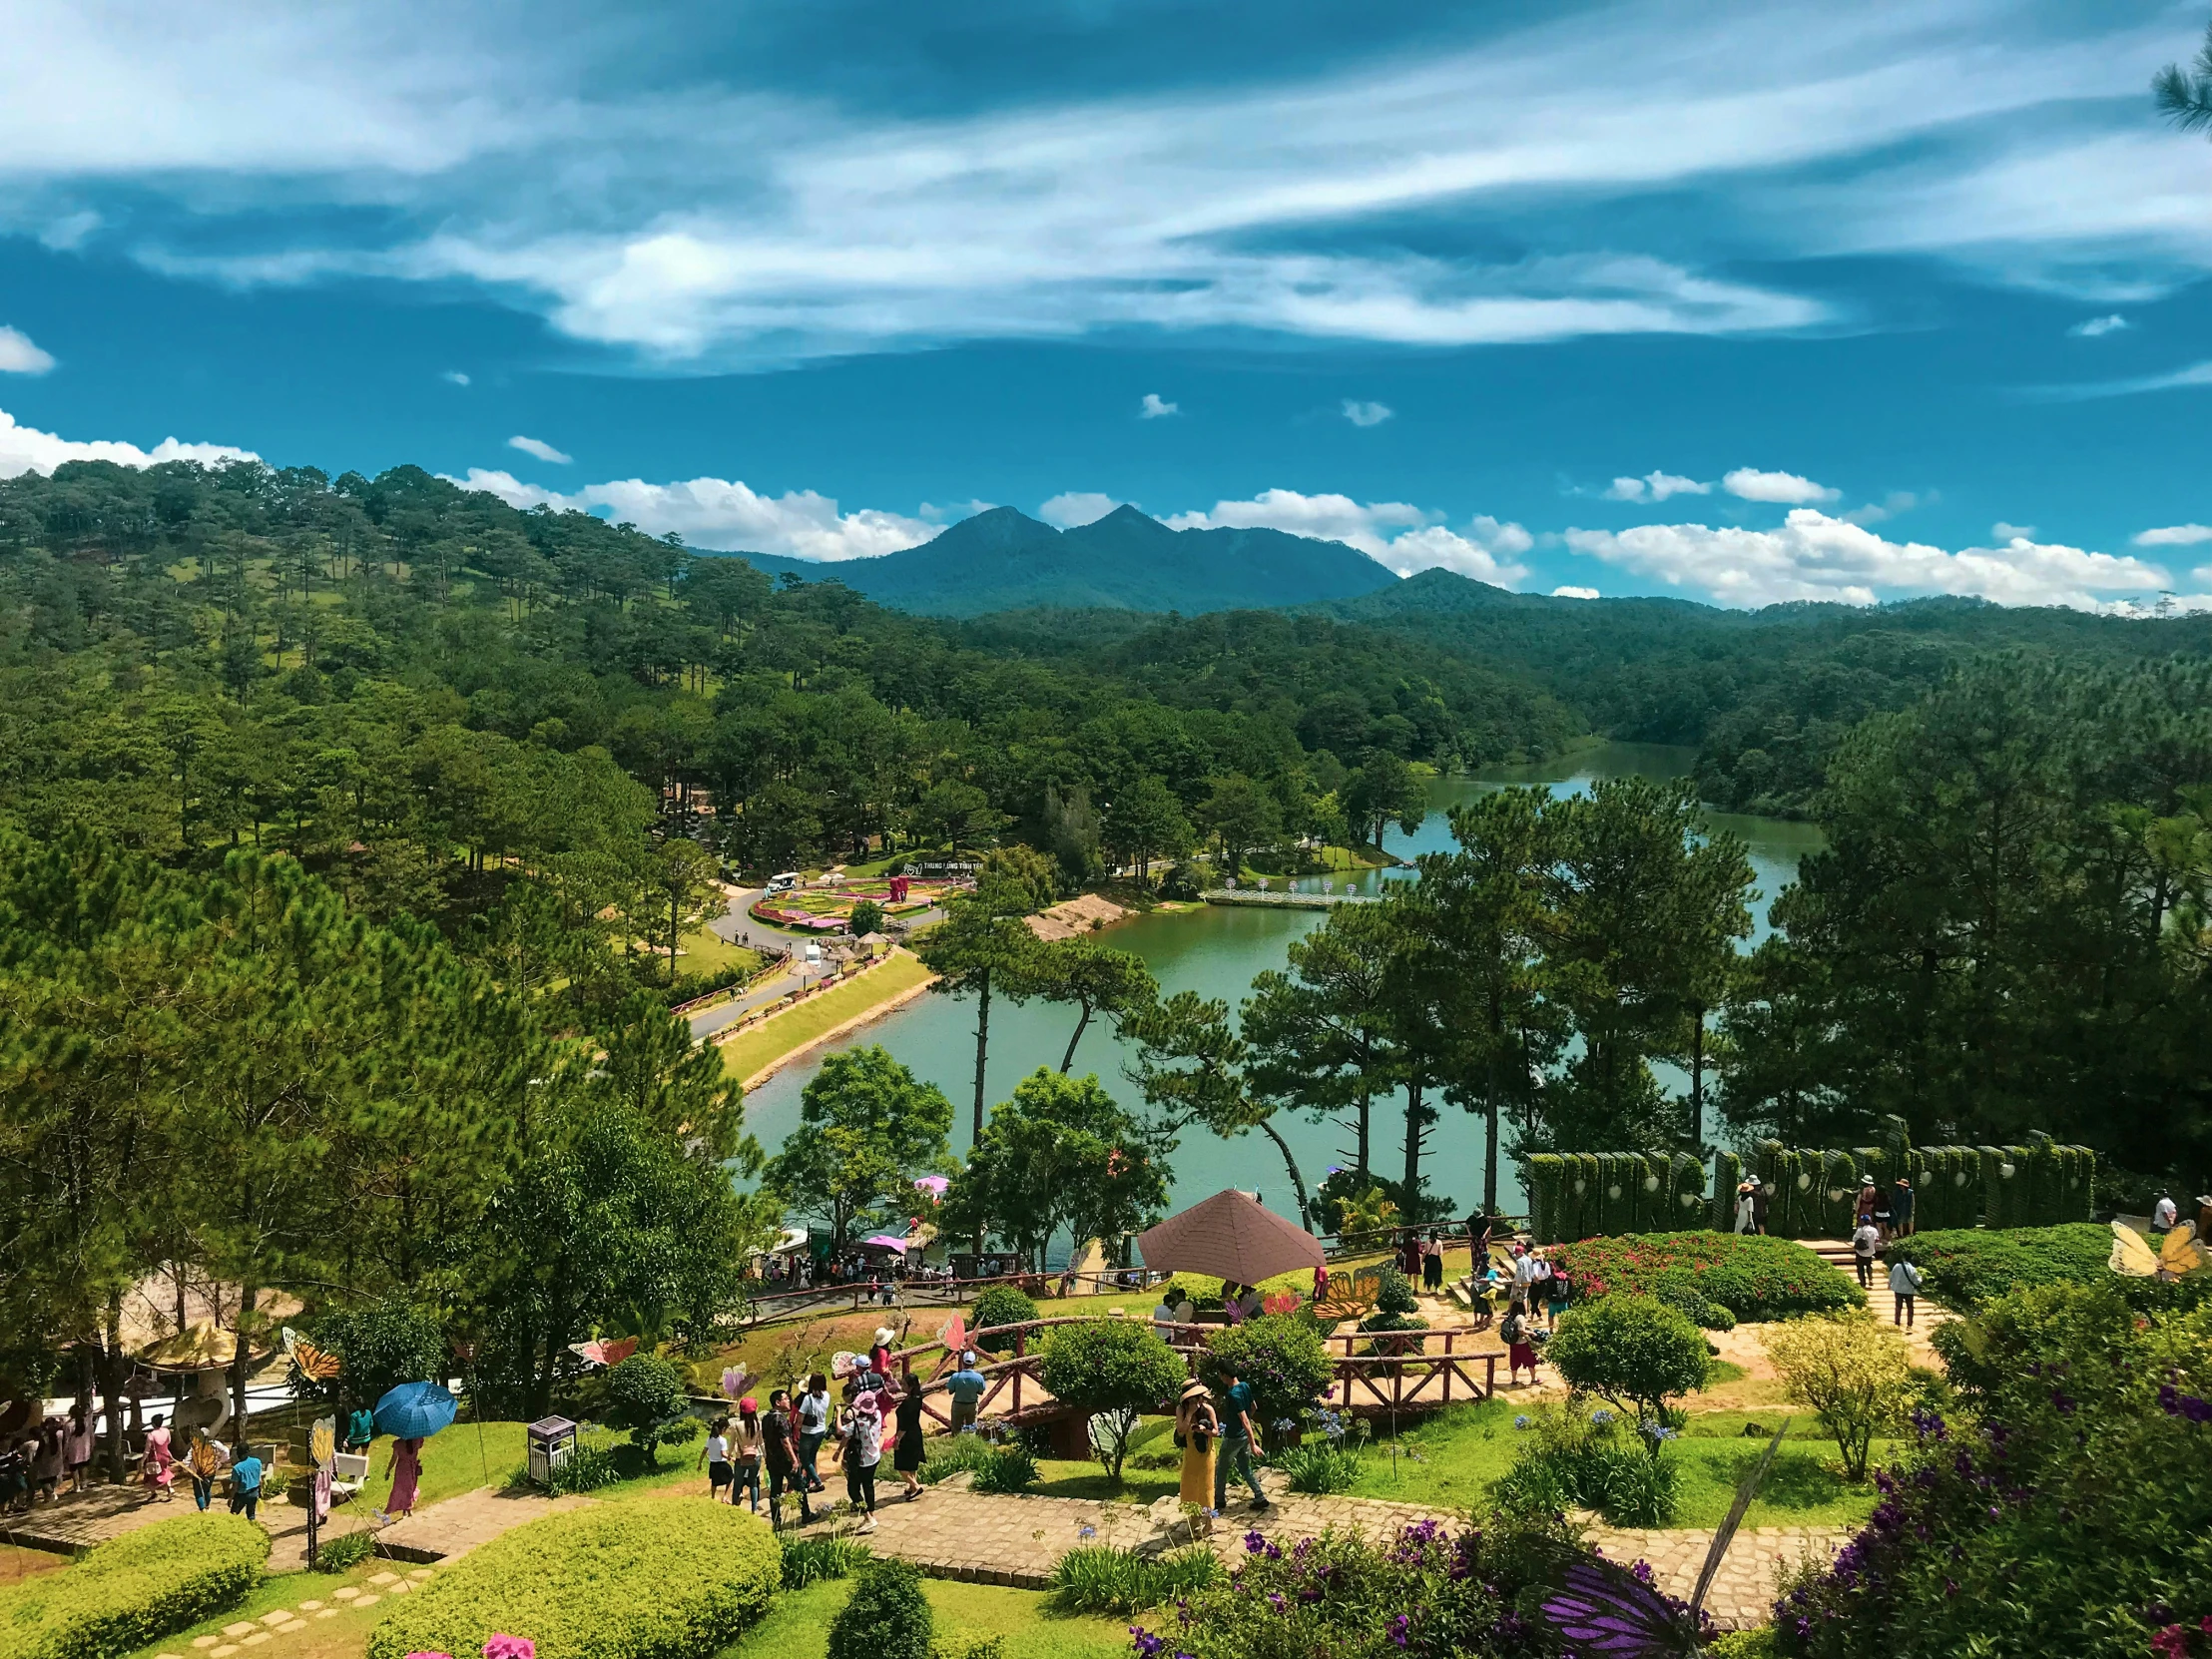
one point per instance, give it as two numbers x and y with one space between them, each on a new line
573 1583
1580 1458
1117 1371
384 1344
1394 1311
1965 1268
2091 1443
1012 1468
344 1552
1854 1371
135 1590
888 1617
1754 1278
1000 1305
1320 1466
1635 1352
1282 1357
584 1470
810 1557
1678 1290
954 1455
646 1395
1098 1578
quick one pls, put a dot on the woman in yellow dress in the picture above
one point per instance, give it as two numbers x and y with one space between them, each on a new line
1200 1430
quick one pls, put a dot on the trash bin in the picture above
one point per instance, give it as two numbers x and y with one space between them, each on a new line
552 1443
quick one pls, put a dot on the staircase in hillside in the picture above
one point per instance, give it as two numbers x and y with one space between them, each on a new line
1836 1254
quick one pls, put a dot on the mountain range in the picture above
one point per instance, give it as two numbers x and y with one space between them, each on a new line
1004 560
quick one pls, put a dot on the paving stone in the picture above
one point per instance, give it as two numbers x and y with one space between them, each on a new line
224 1651
399 1587
254 1640
287 1630
383 1578
281 1615
245 1627
203 1642
366 1601
346 1594
310 1607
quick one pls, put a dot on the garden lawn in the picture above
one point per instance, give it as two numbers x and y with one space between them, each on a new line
780 1034
453 1461
17 1564
797 1623
1454 1458
706 951
343 1637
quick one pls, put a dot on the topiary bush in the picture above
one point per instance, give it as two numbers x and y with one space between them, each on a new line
1000 1305
1394 1310
652 1579
135 1590
887 1616
1754 1278
646 1395
1116 1370
1968 1267
1281 1355
1635 1352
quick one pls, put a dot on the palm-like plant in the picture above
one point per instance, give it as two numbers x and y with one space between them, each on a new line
2185 94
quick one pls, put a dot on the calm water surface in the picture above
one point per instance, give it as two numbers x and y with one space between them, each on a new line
1217 951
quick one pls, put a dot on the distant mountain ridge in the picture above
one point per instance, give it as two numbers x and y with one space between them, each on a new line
1004 560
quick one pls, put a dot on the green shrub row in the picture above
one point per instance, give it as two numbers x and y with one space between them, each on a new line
1098 1578
1580 1195
1753 1278
810 1557
657 1578
1963 1267
135 1590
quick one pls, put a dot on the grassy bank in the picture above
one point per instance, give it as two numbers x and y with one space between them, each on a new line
764 1044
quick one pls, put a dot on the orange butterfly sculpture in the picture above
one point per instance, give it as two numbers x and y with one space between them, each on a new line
313 1364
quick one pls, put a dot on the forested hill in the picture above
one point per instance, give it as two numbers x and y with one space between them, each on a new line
1766 695
1002 560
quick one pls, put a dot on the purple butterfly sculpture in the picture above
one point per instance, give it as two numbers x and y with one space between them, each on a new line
1605 1610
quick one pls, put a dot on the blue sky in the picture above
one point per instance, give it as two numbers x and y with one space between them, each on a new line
1745 302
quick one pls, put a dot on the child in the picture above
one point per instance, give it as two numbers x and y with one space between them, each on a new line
715 1456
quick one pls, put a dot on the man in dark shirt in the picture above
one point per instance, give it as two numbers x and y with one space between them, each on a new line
1901 1210
1761 1197
782 1458
1236 1435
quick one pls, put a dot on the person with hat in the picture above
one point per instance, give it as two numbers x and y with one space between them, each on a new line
1862 1207
880 1355
745 1453
1197 1429
861 1448
966 1386
1901 1208
1762 1198
1746 1207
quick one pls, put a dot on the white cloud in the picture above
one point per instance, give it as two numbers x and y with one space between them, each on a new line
721 514
1366 415
1750 484
1574 593
1396 533
1816 556
27 449
2173 535
19 356
2017 532
2097 328
1075 507
1655 486
455 376
540 448
1154 406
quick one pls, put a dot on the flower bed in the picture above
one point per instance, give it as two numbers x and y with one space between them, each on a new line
827 909
1753 1278
135 1590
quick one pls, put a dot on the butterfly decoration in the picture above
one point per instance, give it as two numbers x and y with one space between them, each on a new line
2177 1255
605 1353
844 1363
1602 1608
313 1364
203 1459
733 1382
953 1333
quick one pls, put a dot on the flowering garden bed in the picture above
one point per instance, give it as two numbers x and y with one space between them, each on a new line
827 909
1753 1278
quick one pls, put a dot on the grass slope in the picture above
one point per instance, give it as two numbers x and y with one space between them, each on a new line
775 1038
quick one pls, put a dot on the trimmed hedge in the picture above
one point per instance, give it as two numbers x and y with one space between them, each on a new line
136 1590
1753 1278
656 1578
1968 1267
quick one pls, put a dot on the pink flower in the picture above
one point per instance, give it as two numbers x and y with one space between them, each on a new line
510 1647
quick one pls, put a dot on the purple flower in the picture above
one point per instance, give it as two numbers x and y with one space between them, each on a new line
1255 1541
1144 1641
1401 1629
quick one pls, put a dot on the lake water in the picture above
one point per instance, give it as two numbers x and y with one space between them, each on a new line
1217 951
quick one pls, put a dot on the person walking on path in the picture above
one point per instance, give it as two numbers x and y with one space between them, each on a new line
77 1445
1197 1432
405 1469
1432 1267
1558 1293
1864 1245
1905 1289
907 1452
1901 1210
204 1460
1237 1437
46 1471
780 1453
715 1456
860 1449
361 1430
814 1428
966 1387
246 1483
1745 1210
153 1468
745 1455
1762 1199
1524 1277
1862 1207
1519 1350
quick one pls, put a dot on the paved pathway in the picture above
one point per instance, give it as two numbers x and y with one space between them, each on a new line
450 1529
243 1634
79 1522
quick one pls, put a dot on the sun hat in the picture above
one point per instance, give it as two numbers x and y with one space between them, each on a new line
1193 1387
885 1335
1866 1181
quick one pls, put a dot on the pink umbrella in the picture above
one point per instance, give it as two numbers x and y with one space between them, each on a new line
934 1185
883 1240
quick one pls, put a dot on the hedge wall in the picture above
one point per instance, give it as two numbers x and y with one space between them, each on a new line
132 1592
651 1578
1753 1278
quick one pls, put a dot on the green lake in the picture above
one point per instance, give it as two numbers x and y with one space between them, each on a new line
1217 951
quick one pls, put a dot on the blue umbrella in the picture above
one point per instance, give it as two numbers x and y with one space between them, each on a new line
414 1410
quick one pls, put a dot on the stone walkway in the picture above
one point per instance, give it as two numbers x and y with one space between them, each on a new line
450 1529
80 1521
291 1621
951 1533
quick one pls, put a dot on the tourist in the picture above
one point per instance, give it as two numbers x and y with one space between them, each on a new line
1762 1196
745 1455
1864 1245
1524 1276
906 1449
1163 1316
1745 1209
1862 1207
966 1387
1558 1293
1233 1414
204 1461
1540 1284
1433 1266
814 1428
360 1431
15 1478
154 1467
405 1469
1520 1353
45 1469
2163 1214
1186 1310
779 1452
715 1456
860 1449
880 1355
1901 1210
1478 1242
1409 1255
1197 1427
1905 1289
77 1445
246 1483
1882 1213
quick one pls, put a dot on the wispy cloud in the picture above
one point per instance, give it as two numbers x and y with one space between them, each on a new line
2173 535
1073 507
1366 415
1655 486
540 448
1750 484
454 377
1154 406
1396 533
19 356
2097 328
